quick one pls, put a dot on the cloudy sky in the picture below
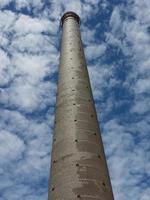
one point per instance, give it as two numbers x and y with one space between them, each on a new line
116 37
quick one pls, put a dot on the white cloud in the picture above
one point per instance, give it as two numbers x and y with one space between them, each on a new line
84 10
29 71
33 67
7 18
11 146
125 159
142 85
33 44
115 20
101 76
135 33
26 145
146 195
26 24
4 65
22 4
141 105
88 35
94 51
3 40
17 122
3 3
28 97
34 4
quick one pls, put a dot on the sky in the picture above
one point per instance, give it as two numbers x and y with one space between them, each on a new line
116 38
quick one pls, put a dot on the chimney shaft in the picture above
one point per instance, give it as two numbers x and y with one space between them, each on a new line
78 164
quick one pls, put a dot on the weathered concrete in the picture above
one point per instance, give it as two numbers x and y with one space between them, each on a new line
78 165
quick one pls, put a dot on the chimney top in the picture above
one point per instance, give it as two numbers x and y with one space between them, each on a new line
70 14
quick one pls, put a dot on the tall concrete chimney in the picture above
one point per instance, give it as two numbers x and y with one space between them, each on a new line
78 164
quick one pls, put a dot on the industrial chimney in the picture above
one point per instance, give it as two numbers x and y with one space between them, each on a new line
78 164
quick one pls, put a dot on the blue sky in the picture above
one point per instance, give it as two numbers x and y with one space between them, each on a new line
116 37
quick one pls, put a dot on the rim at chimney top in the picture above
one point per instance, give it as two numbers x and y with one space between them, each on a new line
70 14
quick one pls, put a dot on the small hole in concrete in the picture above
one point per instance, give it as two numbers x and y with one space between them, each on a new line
73 90
55 161
76 140
72 77
53 189
78 196
75 120
74 104
103 184
92 116
77 165
94 133
99 156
